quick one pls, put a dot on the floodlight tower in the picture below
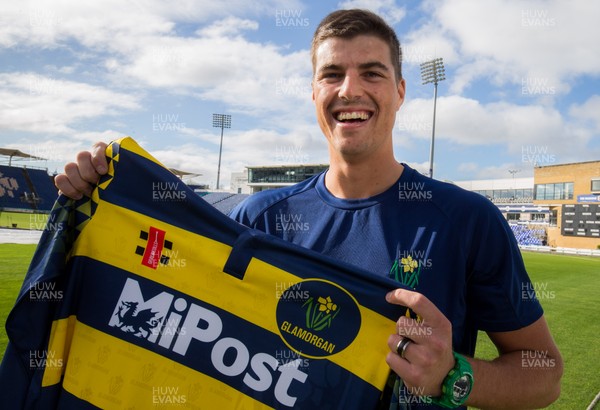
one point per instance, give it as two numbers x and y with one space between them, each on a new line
513 172
433 72
221 121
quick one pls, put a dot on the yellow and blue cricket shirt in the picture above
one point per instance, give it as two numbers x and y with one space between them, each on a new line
144 295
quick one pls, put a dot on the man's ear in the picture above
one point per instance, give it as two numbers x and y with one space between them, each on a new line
401 92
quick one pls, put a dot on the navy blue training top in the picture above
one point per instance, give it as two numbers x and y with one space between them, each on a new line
452 245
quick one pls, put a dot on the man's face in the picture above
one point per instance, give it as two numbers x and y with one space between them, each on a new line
356 95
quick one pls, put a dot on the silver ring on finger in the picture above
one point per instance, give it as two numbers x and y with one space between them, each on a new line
402 345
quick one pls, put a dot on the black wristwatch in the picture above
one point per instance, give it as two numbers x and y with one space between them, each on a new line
457 385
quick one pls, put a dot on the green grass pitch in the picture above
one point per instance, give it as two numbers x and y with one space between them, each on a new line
568 288
23 220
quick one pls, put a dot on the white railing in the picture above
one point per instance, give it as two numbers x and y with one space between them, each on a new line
565 251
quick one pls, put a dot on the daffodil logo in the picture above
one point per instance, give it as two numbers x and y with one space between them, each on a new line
324 323
319 315
409 264
407 271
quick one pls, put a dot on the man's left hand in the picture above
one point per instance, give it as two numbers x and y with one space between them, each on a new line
428 357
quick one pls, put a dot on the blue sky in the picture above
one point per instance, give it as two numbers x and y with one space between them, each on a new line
522 81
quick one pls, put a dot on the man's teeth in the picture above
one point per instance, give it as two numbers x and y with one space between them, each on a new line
343 116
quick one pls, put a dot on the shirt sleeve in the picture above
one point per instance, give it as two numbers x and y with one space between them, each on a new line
240 213
499 288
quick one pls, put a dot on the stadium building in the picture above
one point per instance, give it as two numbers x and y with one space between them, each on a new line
513 196
277 176
24 189
572 194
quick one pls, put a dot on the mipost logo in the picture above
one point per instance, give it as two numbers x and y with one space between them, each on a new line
181 323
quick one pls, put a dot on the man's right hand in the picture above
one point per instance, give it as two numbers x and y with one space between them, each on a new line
80 177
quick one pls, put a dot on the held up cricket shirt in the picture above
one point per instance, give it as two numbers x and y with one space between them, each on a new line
147 296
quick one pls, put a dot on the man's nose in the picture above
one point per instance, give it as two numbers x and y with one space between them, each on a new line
351 88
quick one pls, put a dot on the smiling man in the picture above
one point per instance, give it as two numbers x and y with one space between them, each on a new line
453 248
357 94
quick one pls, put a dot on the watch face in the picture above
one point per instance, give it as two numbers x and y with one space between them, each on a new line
462 387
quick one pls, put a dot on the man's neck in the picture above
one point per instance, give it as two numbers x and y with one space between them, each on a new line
358 180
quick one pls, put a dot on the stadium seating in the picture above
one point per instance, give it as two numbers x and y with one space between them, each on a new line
23 189
528 236
223 201
44 188
12 187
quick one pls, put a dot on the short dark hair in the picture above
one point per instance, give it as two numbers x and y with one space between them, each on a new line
351 23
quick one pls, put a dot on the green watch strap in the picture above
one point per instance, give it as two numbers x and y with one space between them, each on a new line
457 385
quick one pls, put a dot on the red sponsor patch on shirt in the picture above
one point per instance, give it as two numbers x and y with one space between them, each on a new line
156 239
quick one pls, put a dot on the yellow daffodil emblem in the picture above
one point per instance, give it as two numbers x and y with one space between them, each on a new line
326 305
319 315
406 271
409 264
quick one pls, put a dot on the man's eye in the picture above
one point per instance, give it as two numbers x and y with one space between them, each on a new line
372 74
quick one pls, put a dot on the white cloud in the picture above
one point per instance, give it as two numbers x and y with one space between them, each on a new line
241 149
232 70
468 122
230 26
388 9
114 24
428 42
122 62
58 151
520 40
587 112
42 104
219 64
